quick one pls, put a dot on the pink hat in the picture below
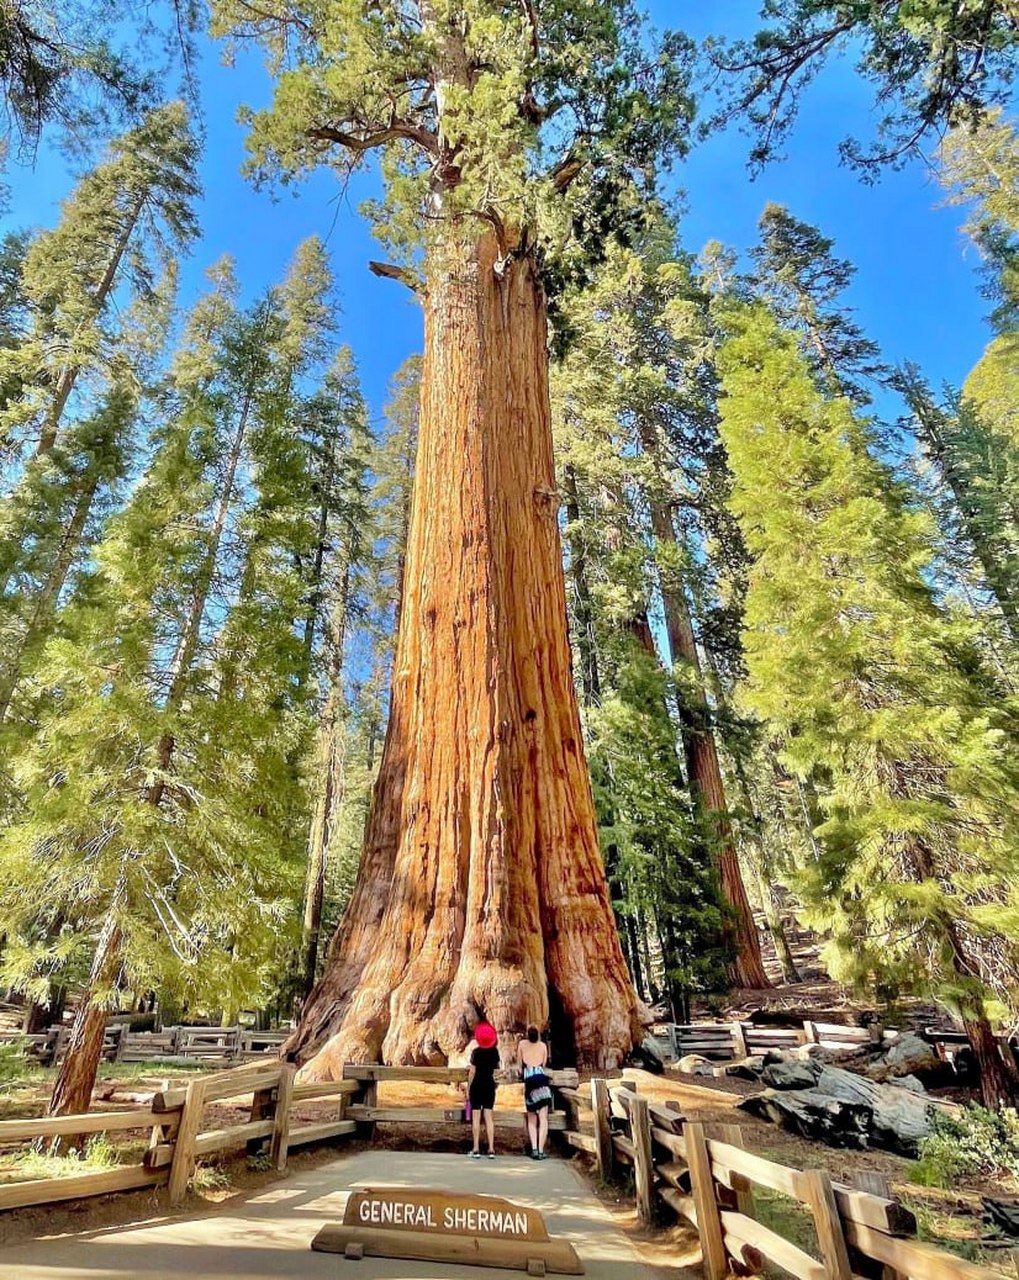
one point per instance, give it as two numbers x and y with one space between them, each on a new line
485 1035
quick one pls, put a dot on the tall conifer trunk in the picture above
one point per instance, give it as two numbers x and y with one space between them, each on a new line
703 768
72 1091
481 886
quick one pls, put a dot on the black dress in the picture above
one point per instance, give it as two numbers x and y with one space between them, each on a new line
482 1091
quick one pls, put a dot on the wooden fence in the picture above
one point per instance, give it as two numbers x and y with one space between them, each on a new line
217 1046
707 1177
731 1041
726 1041
704 1176
178 1134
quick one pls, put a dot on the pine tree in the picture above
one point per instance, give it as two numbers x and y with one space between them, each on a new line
339 427
932 64
877 695
969 441
125 224
636 402
164 796
803 283
466 103
979 167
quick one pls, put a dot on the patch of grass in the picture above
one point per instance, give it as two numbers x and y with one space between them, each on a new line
959 1233
786 1217
260 1163
209 1177
24 1166
137 1070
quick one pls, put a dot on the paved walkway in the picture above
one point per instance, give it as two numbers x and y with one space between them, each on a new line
269 1232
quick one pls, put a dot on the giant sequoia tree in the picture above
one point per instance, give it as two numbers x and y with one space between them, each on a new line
514 138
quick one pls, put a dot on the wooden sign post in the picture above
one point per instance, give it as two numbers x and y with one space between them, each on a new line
440 1226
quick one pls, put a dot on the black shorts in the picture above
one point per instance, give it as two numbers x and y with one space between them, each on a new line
482 1095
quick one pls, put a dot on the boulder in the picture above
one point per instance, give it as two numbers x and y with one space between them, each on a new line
909 1054
847 1110
694 1064
648 1056
813 1114
791 1075
814 1053
749 1068
899 1118
907 1082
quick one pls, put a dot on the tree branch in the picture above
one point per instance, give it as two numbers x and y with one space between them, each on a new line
373 137
390 271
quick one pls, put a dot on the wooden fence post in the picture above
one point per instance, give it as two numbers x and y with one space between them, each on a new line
602 1128
369 1097
709 1220
183 1162
281 1120
739 1041
827 1224
264 1105
744 1194
643 1167
877 1184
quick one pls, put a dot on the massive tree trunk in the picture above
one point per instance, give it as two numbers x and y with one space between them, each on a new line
481 886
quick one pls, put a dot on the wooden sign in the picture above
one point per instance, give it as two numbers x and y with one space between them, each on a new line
485 1231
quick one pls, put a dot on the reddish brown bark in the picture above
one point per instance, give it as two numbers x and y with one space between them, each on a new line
481 886
72 1091
999 1078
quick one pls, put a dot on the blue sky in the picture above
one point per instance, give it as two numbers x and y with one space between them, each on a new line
915 291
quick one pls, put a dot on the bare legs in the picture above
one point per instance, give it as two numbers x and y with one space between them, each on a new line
537 1130
476 1115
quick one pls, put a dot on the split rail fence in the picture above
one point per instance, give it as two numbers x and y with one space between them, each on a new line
706 1177
702 1175
178 1132
215 1046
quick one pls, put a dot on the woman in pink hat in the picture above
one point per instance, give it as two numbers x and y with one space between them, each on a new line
481 1086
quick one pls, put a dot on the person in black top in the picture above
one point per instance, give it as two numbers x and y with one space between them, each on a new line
481 1086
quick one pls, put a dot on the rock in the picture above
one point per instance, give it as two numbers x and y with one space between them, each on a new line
648 1056
693 1064
900 1118
813 1114
817 1053
909 1054
847 1110
791 1075
746 1068
907 1082
1003 1214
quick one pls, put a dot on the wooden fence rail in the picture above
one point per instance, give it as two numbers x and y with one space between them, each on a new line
732 1041
707 1177
213 1045
704 1176
179 1132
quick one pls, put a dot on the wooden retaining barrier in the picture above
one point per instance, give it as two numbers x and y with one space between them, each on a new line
706 1177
